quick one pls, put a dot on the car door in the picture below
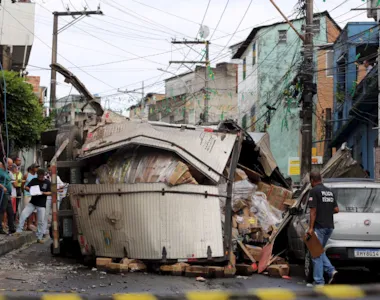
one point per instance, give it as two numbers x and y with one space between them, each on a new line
297 228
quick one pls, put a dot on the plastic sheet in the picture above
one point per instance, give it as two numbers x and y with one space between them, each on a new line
242 192
266 215
144 167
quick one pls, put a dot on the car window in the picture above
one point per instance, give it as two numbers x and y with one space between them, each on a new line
361 200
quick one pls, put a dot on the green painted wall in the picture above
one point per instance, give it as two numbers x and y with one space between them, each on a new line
278 63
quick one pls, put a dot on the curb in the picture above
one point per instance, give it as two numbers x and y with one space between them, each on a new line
11 243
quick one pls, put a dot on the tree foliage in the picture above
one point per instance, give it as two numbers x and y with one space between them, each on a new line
24 112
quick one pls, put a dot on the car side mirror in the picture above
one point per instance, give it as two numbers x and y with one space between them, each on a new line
295 211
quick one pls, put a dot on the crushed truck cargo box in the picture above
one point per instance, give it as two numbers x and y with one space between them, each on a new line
149 220
206 151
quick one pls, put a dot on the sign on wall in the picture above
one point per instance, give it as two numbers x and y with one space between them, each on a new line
294 164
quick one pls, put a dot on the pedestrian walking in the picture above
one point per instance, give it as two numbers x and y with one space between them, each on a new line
5 196
28 177
37 202
323 206
19 182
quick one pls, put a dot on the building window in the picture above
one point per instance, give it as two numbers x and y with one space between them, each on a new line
244 68
282 36
329 63
253 53
316 26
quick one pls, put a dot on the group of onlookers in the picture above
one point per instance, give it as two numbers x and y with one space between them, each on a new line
34 188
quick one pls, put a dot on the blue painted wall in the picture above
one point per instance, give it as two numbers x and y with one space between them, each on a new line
362 138
353 35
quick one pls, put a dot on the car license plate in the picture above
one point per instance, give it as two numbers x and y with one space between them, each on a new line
375 253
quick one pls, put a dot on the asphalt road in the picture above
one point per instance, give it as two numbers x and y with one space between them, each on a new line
33 268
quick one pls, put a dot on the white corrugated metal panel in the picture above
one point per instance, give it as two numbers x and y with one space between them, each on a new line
207 151
143 223
266 157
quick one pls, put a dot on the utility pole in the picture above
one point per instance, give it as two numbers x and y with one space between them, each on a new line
7 57
207 64
307 97
328 136
54 53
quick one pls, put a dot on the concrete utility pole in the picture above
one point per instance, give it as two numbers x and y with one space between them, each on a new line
207 64
307 97
54 53
7 57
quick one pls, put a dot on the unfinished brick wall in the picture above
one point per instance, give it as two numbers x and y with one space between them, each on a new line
325 89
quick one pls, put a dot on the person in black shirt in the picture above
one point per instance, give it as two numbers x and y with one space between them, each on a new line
38 202
323 206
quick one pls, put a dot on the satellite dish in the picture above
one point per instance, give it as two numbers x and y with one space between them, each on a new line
204 31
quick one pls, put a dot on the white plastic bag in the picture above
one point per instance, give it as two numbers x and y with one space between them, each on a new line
265 214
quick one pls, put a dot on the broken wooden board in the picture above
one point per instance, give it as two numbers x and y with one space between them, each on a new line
177 269
244 270
278 270
229 271
117 268
102 263
245 250
197 271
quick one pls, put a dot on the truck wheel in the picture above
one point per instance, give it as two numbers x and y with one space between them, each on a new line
308 267
75 141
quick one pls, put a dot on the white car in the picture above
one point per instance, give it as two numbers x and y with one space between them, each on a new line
356 237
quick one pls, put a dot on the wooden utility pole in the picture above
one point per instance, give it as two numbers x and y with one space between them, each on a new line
307 95
207 64
54 53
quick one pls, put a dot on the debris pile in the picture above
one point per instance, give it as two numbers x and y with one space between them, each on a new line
258 209
144 167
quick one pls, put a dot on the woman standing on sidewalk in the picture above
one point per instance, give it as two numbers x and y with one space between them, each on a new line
28 177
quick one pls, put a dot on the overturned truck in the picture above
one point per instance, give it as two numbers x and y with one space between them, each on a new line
153 191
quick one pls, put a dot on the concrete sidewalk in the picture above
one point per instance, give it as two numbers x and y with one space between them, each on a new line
9 243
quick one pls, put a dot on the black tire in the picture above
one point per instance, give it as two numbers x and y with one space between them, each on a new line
374 270
75 141
52 251
308 267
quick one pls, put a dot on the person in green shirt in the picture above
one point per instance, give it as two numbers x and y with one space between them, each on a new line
5 197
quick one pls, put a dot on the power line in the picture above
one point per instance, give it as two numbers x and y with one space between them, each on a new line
220 19
51 48
237 28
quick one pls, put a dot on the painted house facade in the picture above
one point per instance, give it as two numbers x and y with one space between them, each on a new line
268 92
185 94
356 93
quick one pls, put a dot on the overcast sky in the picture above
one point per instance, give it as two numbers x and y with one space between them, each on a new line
132 40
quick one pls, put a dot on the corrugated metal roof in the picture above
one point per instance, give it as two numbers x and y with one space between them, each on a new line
206 151
143 222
